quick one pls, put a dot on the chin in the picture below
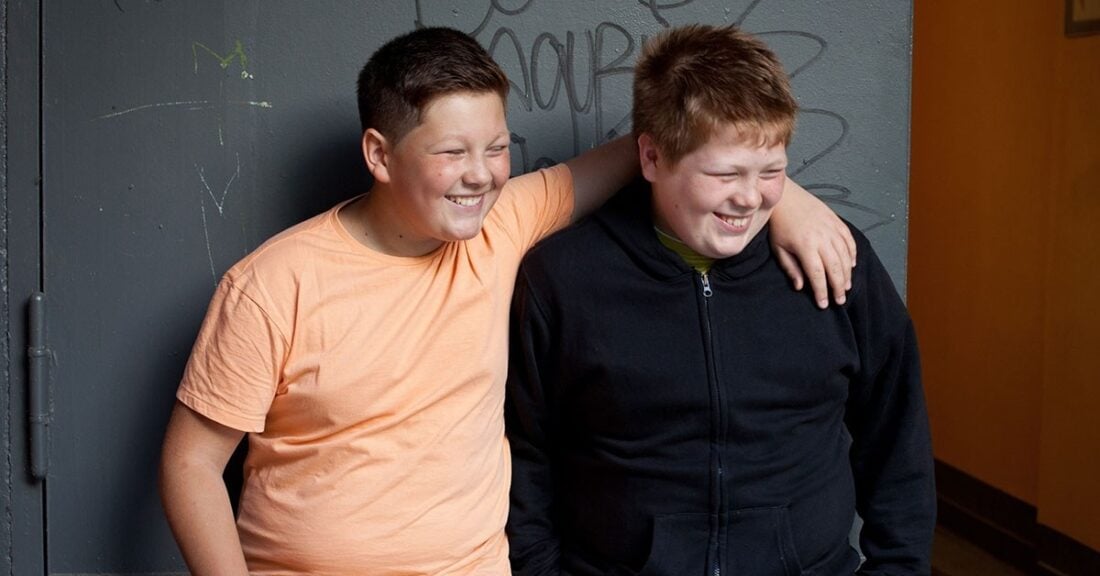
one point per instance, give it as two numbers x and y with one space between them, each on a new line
463 234
729 251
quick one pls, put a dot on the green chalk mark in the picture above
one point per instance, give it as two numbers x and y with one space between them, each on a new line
223 61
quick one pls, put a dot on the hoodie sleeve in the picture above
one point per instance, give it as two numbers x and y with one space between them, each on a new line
533 540
891 452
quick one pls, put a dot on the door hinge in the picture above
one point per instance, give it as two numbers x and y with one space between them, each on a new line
39 357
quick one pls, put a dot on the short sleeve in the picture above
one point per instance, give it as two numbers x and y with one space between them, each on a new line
233 372
534 205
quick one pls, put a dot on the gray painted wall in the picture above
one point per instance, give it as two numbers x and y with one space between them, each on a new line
178 135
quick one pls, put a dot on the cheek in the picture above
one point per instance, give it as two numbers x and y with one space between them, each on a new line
501 167
441 170
771 192
710 197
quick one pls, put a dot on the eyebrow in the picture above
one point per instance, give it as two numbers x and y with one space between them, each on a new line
459 136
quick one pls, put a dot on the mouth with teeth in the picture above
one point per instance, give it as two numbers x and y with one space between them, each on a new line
466 201
735 223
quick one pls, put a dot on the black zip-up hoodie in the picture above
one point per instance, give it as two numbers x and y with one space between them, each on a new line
663 421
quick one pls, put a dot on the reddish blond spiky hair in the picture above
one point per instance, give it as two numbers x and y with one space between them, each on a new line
691 80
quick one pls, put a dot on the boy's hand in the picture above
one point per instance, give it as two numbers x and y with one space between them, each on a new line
808 236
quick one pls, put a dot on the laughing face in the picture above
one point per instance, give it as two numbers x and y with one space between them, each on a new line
719 196
441 179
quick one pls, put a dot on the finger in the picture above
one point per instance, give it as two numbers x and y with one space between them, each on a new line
850 241
838 272
846 262
819 282
790 266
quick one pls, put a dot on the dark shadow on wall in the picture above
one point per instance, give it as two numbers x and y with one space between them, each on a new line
330 172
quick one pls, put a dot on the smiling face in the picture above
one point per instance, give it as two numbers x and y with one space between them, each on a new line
438 182
718 197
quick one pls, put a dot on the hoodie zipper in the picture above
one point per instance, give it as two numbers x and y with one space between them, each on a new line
704 280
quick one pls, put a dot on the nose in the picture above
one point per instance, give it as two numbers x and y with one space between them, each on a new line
747 196
477 174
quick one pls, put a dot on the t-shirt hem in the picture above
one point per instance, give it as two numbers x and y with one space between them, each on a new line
217 414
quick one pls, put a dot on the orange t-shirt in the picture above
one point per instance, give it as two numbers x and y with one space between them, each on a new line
373 388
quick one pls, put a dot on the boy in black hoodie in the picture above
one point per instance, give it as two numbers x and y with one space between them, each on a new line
673 407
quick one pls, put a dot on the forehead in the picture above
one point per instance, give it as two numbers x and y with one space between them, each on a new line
733 144
460 115
448 106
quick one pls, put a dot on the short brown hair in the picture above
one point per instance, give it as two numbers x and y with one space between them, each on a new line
691 80
408 72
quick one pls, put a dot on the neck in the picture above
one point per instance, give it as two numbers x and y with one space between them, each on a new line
376 224
697 261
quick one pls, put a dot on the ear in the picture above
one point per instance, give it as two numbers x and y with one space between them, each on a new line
648 156
376 153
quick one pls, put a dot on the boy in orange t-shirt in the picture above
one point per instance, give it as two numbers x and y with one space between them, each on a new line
364 351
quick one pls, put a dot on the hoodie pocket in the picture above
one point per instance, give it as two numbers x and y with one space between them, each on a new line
759 542
678 546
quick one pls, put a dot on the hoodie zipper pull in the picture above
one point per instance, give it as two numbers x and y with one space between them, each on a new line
707 292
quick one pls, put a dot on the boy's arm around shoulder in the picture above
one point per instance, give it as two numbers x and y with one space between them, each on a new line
891 453
811 242
529 417
601 172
